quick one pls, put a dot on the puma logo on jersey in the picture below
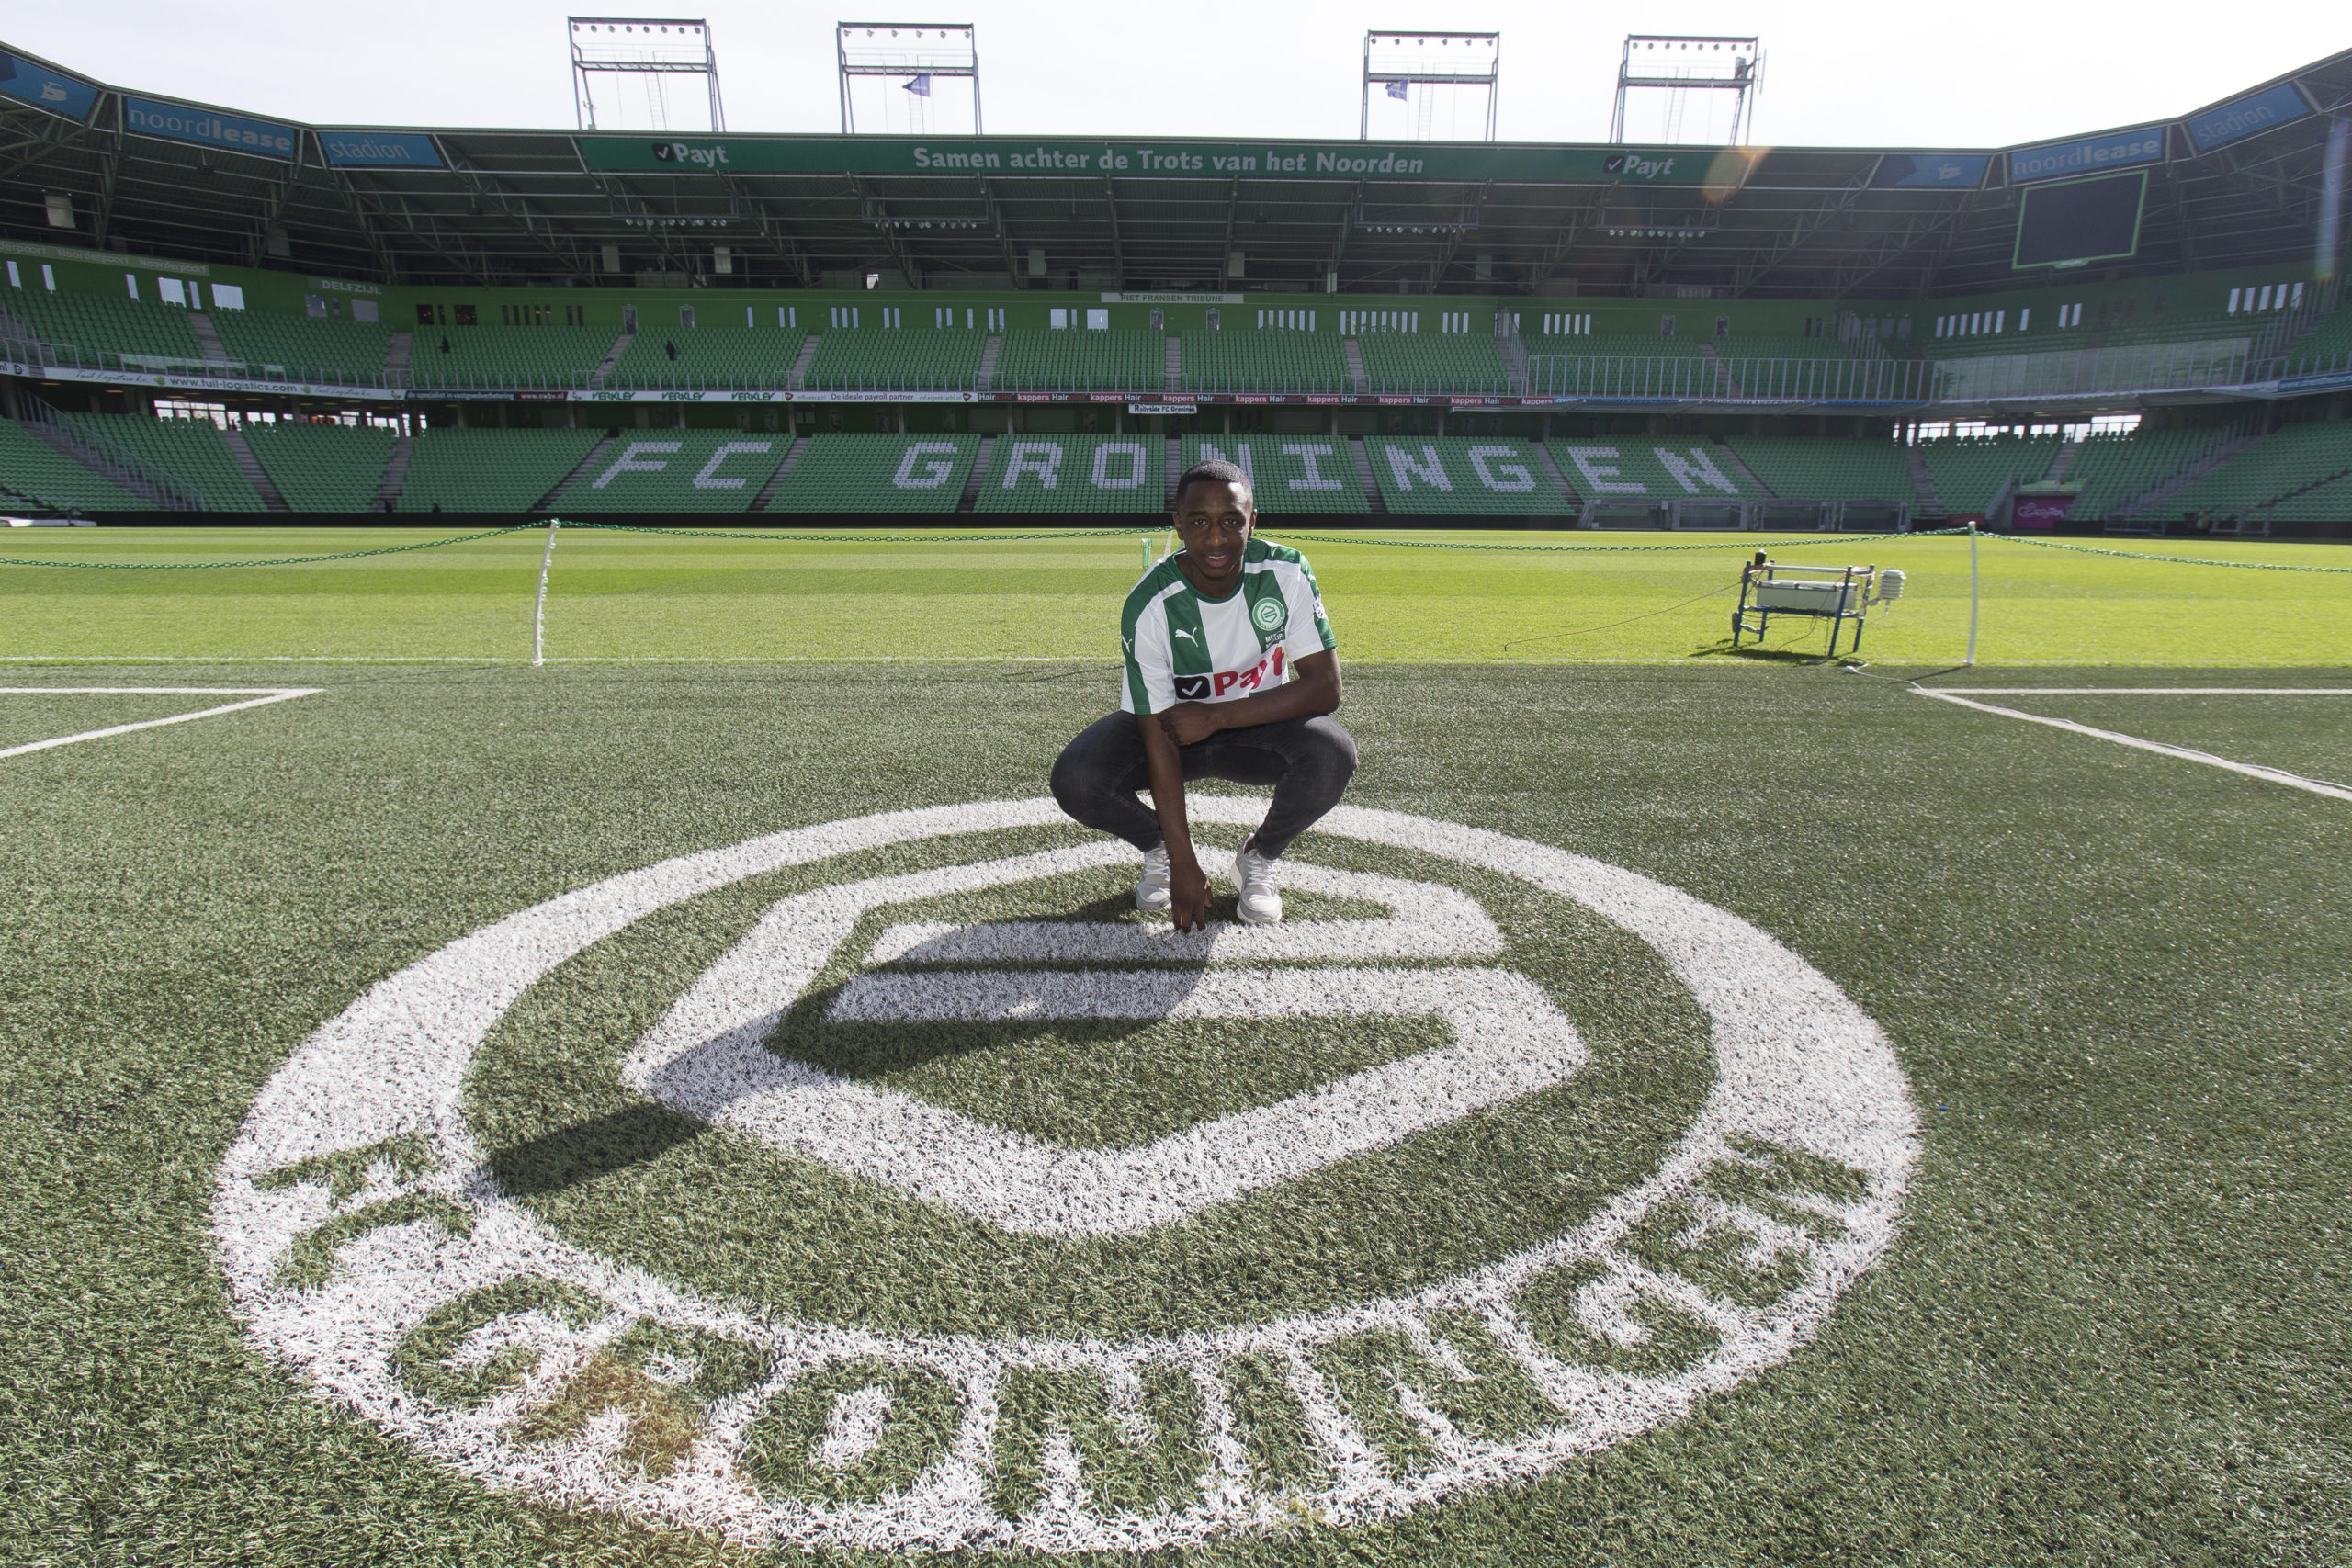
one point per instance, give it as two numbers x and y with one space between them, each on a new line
1180 631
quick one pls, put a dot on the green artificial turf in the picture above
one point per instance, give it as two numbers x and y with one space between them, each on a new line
965 595
2111 1329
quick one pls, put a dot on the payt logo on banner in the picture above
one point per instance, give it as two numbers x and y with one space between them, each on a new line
208 127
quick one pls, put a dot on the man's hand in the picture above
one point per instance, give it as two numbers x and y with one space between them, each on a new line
1188 885
1189 724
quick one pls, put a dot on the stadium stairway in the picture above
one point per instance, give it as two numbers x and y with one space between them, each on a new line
1931 506
971 499
1359 380
250 465
2062 460
155 490
594 454
387 488
984 379
2142 505
1731 459
1171 377
1551 467
1361 455
791 457
798 376
399 352
604 371
207 338
1725 382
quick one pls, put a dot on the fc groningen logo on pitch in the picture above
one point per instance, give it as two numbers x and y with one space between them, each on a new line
884 1184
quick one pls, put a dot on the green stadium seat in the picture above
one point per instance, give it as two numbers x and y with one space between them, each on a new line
281 347
677 471
724 357
33 470
1289 474
1433 362
2281 464
492 470
1081 361
190 451
911 359
1461 476
1076 473
2116 469
1265 360
322 467
1625 467
1799 468
552 358
90 326
1970 470
878 473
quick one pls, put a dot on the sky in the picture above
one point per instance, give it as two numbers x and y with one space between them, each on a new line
1836 73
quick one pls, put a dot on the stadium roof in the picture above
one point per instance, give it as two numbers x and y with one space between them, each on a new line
2235 183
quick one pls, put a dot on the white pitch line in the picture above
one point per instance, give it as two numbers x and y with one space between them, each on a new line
2251 770
2143 691
270 695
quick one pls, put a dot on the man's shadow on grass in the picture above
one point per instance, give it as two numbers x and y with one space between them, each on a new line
641 1134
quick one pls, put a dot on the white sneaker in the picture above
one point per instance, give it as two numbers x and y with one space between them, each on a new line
1151 888
1262 902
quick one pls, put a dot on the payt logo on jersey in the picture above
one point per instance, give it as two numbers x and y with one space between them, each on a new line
863 1279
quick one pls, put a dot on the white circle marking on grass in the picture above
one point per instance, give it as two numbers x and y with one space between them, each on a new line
422 1228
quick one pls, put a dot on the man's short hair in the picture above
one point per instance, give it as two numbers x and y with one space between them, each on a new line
1221 471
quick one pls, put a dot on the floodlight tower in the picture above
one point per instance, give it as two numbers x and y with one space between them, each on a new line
1449 65
923 54
1680 66
651 50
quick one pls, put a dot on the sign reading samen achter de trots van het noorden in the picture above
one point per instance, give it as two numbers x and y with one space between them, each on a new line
1010 157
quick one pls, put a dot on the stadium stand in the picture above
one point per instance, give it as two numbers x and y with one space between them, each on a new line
911 359
1622 467
2329 347
677 471
1791 345
189 450
492 470
289 347
1458 475
1076 473
2286 463
36 472
1616 346
2116 469
2329 502
1970 470
1290 474
322 467
878 473
1265 361
92 325
527 357
1798 467
1073 361
1433 362
724 356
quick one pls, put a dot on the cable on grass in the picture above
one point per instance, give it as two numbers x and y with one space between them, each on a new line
2176 561
280 560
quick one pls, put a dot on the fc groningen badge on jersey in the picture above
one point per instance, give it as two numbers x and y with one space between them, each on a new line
1270 613
883 1184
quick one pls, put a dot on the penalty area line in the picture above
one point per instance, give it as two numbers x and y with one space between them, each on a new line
2141 690
2250 770
262 696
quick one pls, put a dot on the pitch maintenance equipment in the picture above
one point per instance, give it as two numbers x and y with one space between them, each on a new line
1838 594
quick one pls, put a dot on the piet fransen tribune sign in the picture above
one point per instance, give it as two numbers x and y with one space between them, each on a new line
1513 1155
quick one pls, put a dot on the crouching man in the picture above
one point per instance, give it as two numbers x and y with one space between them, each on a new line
1232 673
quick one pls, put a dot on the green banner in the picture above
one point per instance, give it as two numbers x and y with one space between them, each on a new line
1017 157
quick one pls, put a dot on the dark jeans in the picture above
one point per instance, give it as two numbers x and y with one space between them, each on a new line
1307 761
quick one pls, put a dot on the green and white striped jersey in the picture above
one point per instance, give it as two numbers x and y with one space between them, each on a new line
1182 648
